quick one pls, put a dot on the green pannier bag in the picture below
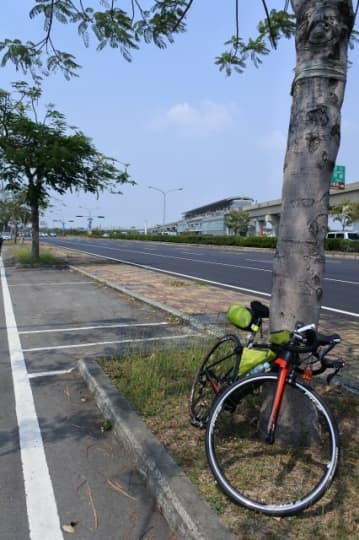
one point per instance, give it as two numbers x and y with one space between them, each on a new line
240 316
253 357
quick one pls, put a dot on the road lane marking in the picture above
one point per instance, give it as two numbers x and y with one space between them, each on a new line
334 310
202 280
38 374
201 261
98 343
47 283
342 281
260 261
42 514
96 327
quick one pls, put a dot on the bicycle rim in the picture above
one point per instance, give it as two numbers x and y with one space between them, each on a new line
218 369
282 478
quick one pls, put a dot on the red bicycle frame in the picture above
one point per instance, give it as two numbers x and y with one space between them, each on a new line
282 363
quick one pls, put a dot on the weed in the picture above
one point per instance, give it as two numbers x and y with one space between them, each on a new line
23 255
158 383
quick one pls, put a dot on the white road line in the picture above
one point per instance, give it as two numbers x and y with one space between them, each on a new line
356 315
342 281
97 327
260 261
41 506
47 283
202 280
169 272
38 374
202 261
121 341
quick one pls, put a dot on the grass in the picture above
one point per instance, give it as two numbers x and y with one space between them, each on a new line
158 384
22 255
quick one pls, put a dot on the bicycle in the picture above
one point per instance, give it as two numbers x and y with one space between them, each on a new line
223 363
271 441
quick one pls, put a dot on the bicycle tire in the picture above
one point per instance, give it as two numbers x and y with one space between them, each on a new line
218 369
278 479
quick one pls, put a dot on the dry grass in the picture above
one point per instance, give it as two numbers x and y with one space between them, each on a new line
158 387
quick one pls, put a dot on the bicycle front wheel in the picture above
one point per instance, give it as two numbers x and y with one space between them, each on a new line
286 476
218 369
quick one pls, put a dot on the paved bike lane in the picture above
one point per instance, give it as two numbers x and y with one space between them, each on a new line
86 482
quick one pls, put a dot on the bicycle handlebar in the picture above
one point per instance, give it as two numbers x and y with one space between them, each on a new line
306 339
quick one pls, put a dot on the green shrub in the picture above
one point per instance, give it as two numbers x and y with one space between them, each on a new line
332 244
338 244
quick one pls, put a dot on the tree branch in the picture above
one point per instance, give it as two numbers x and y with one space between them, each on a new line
186 10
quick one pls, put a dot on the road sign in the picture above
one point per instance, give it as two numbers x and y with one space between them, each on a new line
338 177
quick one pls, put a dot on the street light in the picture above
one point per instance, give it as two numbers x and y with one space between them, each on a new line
164 193
89 218
62 221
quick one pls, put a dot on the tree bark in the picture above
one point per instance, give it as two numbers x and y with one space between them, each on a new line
322 38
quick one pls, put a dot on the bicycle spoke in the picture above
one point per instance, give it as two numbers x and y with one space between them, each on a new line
274 478
217 370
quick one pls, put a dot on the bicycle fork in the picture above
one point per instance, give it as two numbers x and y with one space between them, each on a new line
272 422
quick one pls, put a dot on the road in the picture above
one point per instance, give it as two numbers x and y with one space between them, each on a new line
59 471
249 271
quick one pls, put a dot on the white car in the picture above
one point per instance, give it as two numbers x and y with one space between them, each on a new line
6 236
344 235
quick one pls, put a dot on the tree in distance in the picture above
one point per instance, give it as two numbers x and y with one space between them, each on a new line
238 221
345 213
40 157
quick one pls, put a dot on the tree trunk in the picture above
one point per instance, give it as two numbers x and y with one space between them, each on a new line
323 29
35 251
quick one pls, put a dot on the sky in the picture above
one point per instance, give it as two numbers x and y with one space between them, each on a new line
175 118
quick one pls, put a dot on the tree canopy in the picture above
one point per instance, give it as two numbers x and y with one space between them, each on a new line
110 25
39 157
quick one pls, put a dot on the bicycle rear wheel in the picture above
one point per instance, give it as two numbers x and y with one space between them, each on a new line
218 369
282 478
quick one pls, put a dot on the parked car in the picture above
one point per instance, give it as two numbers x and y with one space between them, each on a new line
343 235
6 235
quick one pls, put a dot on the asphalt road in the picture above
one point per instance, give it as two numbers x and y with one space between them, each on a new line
236 269
58 468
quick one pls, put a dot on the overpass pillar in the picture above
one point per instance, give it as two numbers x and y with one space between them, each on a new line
274 220
260 226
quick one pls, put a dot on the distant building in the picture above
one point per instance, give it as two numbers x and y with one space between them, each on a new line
210 218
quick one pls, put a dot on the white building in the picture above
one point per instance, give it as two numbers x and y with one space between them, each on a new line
210 218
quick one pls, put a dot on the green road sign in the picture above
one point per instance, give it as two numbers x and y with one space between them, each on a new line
338 177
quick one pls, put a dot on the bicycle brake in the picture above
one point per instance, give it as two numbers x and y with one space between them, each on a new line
337 365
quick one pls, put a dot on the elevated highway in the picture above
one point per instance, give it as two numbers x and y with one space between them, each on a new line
269 212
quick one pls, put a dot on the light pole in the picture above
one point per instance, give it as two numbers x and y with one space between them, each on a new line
62 221
90 219
164 193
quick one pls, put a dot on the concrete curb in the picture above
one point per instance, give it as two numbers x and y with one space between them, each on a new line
186 513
